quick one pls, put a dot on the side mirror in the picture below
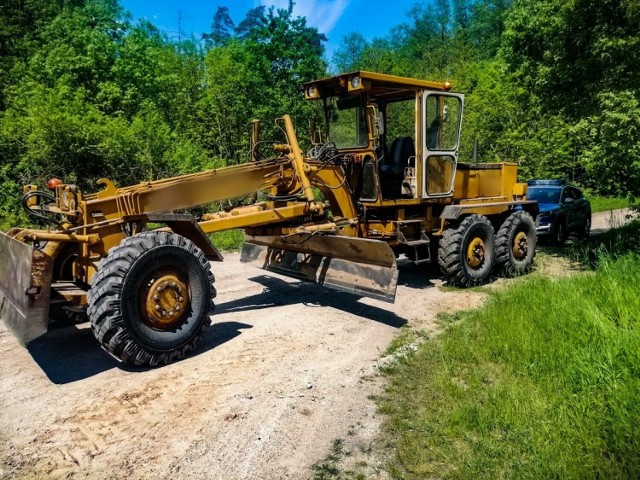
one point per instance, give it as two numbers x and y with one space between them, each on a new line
569 200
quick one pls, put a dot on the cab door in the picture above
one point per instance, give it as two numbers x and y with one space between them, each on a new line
441 120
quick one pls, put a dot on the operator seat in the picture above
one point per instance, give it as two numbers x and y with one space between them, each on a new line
392 168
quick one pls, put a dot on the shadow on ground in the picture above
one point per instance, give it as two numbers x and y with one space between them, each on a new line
71 353
278 292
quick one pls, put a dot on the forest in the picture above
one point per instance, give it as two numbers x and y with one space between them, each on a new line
87 92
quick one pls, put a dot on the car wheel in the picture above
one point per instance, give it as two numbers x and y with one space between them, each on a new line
585 230
560 233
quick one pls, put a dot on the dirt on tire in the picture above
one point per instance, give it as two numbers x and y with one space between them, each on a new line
286 369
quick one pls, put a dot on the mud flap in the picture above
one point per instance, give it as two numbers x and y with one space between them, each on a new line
355 265
25 288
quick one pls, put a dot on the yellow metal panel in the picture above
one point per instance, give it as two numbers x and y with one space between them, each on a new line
509 178
388 80
520 189
254 219
466 184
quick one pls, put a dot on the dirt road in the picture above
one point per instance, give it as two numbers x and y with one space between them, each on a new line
603 221
282 373
285 370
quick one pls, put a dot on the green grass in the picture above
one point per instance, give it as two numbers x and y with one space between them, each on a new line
604 204
228 240
610 244
542 382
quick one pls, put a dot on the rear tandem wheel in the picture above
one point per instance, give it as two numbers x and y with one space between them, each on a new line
466 253
150 299
516 245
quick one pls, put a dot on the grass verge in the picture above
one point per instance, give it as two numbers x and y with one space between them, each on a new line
542 382
604 204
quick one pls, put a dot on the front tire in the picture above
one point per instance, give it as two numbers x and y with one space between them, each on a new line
150 300
466 253
516 245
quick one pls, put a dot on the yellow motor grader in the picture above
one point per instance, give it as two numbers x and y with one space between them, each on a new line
386 164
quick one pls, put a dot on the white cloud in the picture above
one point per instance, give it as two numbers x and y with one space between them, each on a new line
322 14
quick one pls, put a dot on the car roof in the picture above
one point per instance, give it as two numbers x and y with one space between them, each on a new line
548 187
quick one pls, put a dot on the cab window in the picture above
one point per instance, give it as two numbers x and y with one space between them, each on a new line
443 122
347 122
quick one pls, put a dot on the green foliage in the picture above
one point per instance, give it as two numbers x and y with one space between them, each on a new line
611 149
509 391
85 94
614 243
572 51
228 240
549 84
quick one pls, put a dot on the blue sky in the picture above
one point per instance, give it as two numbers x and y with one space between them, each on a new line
334 18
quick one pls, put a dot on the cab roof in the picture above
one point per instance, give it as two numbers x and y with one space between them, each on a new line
377 85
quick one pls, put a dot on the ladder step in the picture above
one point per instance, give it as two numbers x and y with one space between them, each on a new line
417 243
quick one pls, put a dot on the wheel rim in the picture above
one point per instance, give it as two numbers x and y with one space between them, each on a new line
520 246
164 300
476 253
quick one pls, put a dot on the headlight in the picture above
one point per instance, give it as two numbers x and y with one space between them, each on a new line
355 82
311 91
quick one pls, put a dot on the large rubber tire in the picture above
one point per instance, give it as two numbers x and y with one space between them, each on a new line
515 245
457 266
118 301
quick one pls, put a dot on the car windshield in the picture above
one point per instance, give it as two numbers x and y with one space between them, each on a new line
544 194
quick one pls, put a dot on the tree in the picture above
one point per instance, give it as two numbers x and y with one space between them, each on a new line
254 19
348 56
611 149
222 27
572 50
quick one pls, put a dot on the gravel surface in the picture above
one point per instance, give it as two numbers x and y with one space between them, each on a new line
286 369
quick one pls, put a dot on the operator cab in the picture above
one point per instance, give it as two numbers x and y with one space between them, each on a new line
403 132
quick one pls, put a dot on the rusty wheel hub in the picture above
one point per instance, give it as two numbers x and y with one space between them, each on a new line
166 301
520 246
475 253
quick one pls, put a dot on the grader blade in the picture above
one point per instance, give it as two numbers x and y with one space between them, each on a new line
25 288
355 265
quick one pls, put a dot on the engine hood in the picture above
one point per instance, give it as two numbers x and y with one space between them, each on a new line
548 207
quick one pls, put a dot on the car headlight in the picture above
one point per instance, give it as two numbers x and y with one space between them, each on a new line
311 91
355 82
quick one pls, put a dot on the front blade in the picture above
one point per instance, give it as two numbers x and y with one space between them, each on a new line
355 265
25 288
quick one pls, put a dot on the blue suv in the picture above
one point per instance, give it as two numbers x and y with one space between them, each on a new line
564 210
